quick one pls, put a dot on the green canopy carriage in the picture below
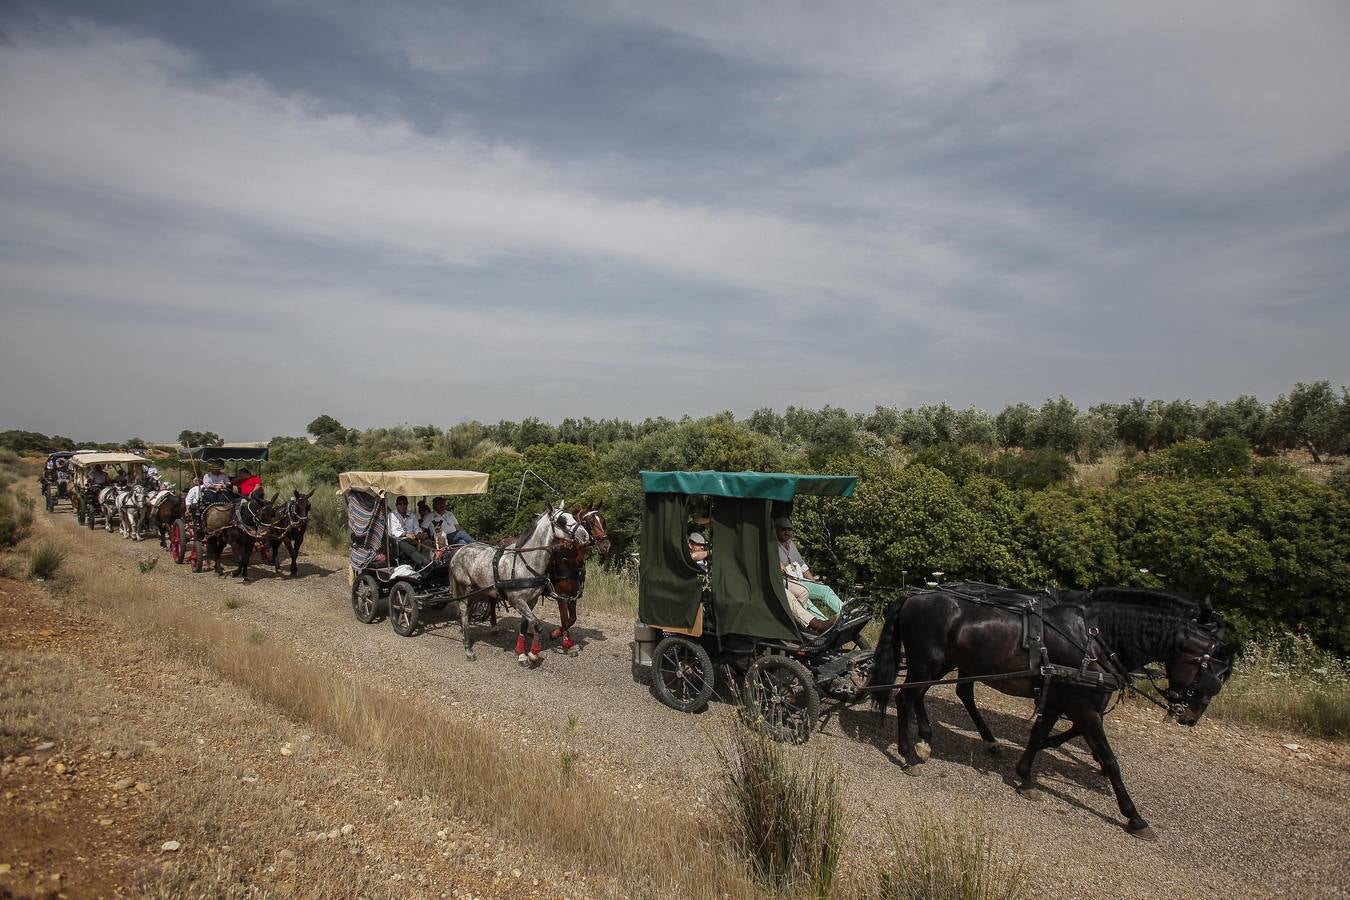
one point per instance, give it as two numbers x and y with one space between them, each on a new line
185 541
736 612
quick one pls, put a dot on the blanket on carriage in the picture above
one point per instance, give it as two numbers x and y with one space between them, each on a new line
366 522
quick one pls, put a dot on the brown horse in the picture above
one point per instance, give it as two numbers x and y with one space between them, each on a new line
567 571
243 526
162 510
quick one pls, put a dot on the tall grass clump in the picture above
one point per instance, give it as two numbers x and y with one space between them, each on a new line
327 511
45 560
782 811
1286 681
16 517
937 859
610 590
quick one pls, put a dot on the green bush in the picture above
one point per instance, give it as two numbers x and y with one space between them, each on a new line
1224 457
1034 470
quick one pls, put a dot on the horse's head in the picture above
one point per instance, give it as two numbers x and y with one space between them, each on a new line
299 505
1199 671
565 527
594 521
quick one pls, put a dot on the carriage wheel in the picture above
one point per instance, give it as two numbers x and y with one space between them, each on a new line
852 685
90 516
403 612
366 602
79 511
178 541
781 698
50 494
195 551
682 674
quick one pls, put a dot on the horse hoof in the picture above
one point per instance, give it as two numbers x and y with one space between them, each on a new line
995 750
523 661
912 770
470 657
1030 792
923 751
1144 834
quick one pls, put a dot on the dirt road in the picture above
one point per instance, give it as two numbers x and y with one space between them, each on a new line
1237 814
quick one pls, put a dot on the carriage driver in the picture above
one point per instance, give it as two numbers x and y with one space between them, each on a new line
406 533
216 484
442 520
99 478
806 593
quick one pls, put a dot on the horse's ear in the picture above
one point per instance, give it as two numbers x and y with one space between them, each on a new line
1206 611
295 494
310 494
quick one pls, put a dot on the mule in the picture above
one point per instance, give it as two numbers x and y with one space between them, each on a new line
131 509
292 520
518 571
162 509
241 526
1112 631
567 572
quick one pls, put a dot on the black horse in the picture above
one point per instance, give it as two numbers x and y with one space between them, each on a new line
1077 637
242 526
289 531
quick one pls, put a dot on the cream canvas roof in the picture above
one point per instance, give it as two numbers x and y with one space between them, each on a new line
91 459
422 483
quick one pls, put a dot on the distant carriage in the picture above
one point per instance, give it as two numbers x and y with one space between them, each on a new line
98 504
55 479
188 535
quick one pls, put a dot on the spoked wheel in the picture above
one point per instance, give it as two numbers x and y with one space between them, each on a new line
682 674
51 499
403 612
852 685
781 698
366 601
79 513
195 551
178 541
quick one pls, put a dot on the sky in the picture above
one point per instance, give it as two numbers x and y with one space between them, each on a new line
236 216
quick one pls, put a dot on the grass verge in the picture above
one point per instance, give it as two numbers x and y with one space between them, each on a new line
45 560
1286 681
940 859
656 847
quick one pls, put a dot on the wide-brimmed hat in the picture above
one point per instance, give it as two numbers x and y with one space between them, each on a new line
215 464
698 538
782 522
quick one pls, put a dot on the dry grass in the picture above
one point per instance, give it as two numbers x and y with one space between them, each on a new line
1287 682
658 848
940 859
1101 474
610 591
45 560
783 810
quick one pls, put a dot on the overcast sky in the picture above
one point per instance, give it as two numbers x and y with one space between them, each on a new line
236 216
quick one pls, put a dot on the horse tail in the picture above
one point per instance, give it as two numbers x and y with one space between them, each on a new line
886 659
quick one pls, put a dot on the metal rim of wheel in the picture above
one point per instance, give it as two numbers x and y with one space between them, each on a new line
366 599
194 553
682 674
403 612
852 685
177 548
781 698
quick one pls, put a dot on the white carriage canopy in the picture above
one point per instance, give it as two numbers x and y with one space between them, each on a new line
421 483
82 460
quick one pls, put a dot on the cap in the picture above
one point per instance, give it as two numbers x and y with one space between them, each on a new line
782 522
698 538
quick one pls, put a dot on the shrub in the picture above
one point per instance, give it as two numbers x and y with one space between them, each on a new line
940 860
45 560
1034 470
783 812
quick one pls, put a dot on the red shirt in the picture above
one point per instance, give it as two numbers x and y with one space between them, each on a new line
249 485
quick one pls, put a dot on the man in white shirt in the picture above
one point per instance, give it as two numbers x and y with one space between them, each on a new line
443 522
98 477
216 485
406 534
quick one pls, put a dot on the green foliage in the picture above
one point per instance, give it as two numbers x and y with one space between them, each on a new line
957 463
30 442
1192 458
1312 417
189 438
1015 424
327 430
1284 680
1034 470
1056 427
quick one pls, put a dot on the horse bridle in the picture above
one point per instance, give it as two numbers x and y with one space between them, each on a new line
1179 699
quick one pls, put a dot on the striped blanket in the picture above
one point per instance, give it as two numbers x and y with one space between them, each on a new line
366 520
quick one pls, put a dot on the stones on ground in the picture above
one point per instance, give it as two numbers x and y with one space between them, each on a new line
286 854
105 822
142 786
1292 747
334 834
348 828
123 784
23 761
286 749
60 769
44 747
170 846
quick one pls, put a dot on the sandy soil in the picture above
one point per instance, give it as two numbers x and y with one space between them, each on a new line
1236 813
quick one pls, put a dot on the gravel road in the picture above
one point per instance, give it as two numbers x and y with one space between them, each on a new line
1236 813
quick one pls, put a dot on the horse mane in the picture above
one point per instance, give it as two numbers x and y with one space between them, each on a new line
1136 620
1148 597
524 539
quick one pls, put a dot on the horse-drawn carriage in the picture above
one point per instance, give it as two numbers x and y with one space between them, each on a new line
188 533
55 479
384 581
736 614
108 489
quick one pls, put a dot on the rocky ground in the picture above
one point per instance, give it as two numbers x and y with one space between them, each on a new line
1237 811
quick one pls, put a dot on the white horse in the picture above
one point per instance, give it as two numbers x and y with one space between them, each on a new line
107 504
131 506
516 573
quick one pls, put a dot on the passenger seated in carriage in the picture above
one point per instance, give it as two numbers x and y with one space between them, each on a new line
698 550
245 483
406 534
806 593
194 496
216 485
440 523
99 478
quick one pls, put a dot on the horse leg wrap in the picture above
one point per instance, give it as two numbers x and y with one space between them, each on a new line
535 650
568 643
520 645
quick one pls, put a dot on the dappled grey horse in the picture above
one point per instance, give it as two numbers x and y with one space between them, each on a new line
517 573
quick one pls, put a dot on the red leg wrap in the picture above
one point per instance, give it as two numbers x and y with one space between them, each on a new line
520 644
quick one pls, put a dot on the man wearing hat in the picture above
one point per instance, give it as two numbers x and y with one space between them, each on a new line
405 531
813 603
216 484
698 550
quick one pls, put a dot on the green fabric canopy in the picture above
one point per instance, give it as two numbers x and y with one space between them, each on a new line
761 485
747 587
669 584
